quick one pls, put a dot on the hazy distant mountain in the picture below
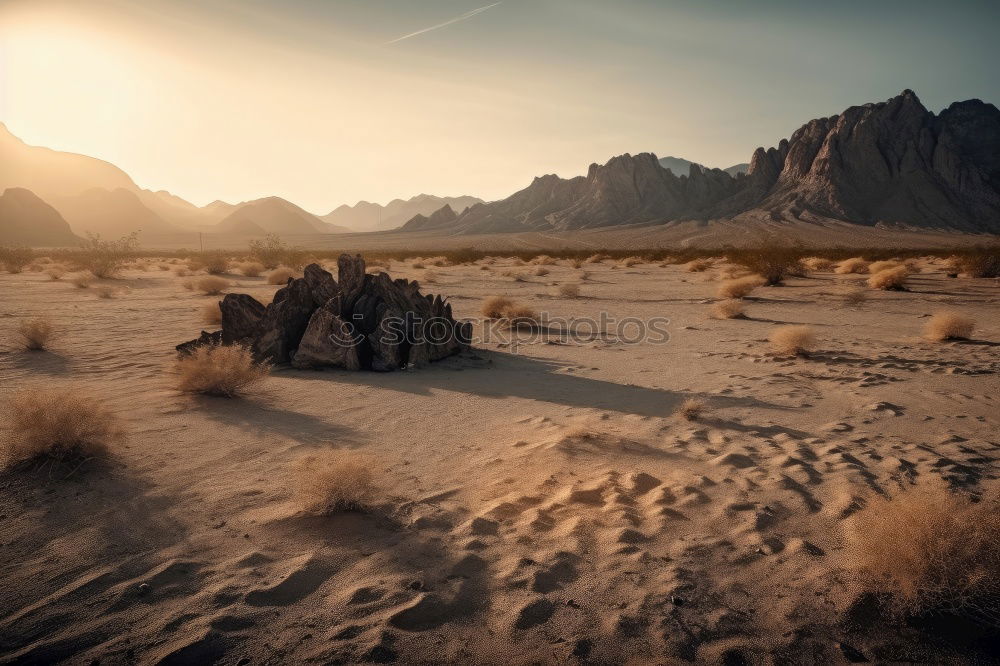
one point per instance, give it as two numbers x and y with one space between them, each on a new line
890 163
273 215
27 220
366 216
681 167
111 213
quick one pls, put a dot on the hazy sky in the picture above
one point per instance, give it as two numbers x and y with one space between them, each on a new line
331 101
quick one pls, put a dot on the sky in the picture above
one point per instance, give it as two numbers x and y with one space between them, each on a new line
325 102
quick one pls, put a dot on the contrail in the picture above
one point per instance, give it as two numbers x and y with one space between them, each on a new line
464 16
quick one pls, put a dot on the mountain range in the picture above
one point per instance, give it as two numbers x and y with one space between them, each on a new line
366 216
891 163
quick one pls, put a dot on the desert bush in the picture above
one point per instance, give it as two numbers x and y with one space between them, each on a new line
82 280
213 262
980 262
61 425
439 262
569 290
729 309
853 296
948 325
543 260
597 258
520 315
541 271
106 259
106 292
628 262
272 252
773 264
698 265
817 263
251 268
55 273
14 258
211 313
891 279
280 275
574 263
212 285
418 265
879 266
182 271
853 265
739 287
690 409
928 550
792 339
220 370
35 333
337 481
494 307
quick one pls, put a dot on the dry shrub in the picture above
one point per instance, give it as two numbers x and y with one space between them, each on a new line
853 265
541 271
252 268
163 267
61 425
439 262
543 260
106 259
494 307
732 272
690 409
14 258
35 333
429 277
419 265
773 264
106 292
82 280
569 290
739 287
854 296
891 279
220 370
948 325
597 258
731 309
628 262
574 263
211 313
698 265
55 273
521 315
817 263
879 266
792 339
337 481
484 268
929 550
980 262
212 262
212 285
272 252
280 275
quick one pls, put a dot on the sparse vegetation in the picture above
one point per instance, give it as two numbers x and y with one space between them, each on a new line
272 252
82 280
280 275
14 258
852 265
212 285
929 550
106 259
106 291
494 307
773 264
541 271
569 290
980 262
220 371
59 425
817 264
891 279
36 333
698 265
690 409
728 309
55 273
740 287
948 325
213 262
251 268
792 339
337 481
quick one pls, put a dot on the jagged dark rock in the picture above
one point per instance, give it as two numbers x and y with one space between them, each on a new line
358 321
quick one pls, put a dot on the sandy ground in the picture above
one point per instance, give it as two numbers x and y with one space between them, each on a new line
539 506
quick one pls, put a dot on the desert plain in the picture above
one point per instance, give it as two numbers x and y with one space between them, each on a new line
540 498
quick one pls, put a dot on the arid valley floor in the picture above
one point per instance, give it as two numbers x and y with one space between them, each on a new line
539 504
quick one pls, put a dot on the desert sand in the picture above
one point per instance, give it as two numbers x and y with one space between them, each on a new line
539 504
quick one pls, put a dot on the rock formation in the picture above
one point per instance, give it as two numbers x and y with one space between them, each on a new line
892 163
359 321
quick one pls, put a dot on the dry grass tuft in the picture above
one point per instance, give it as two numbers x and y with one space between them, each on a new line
879 266
213 262
494 307
280 275
541 271
569 290
890 279
35 333
819 264
220 370
792 339
337 481
543 260
854 296
212 285
211 313
597 258
690 409
252 268
628 262
730 309
947 325
929 550
14 258
82 280
773 264
853 265
739 287
698 265
59 425
419 265
55 273
106 292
